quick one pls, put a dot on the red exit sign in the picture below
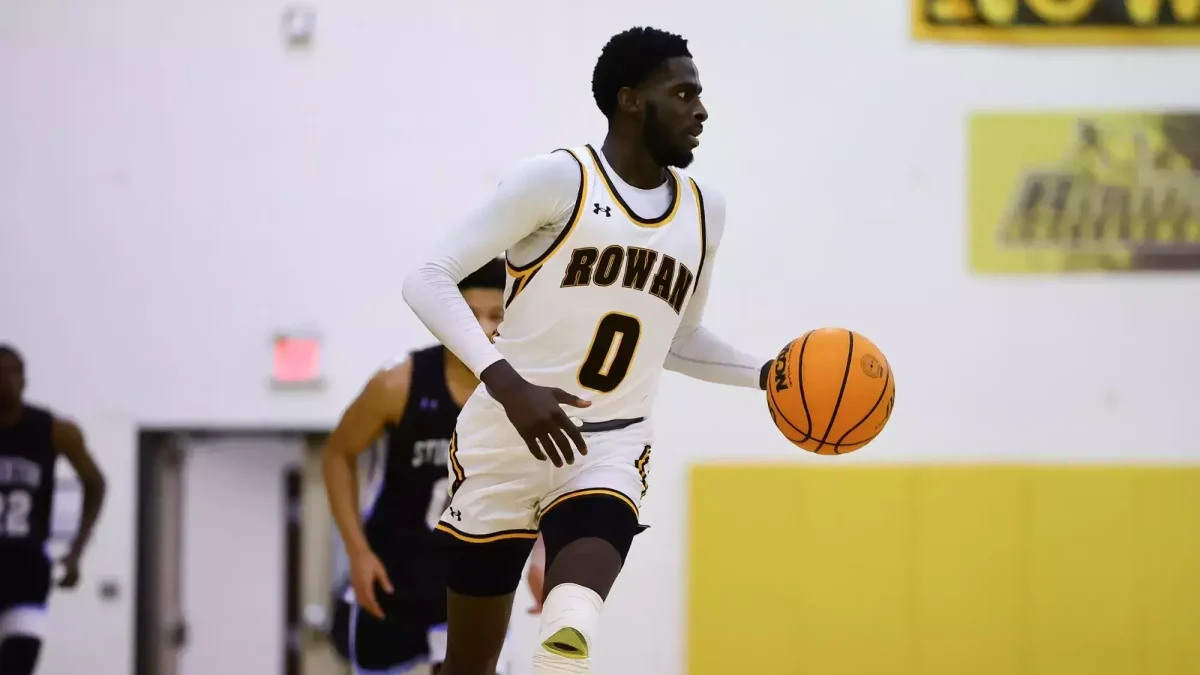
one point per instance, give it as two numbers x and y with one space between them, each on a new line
296 360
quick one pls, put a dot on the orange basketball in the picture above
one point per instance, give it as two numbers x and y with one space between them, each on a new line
831 391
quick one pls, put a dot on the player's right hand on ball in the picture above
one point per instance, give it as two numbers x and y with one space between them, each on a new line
365 571
537 413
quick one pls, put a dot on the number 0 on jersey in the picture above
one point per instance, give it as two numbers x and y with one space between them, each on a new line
611 353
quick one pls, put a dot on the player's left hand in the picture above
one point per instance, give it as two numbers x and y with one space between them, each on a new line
70 578
536 413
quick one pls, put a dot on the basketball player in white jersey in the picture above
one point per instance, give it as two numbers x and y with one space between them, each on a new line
610 250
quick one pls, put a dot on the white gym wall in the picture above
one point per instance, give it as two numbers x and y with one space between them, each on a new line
175 186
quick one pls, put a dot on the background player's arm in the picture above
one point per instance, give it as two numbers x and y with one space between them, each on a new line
695 350
381 401
69 442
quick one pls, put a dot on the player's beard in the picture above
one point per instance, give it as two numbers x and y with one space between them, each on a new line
658 144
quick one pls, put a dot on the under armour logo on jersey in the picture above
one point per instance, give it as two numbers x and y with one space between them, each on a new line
606 209
457 515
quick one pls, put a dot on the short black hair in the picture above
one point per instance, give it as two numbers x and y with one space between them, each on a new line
492 275
9 350
628 59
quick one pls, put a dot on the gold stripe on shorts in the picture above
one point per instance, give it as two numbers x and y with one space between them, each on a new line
585 492
486 538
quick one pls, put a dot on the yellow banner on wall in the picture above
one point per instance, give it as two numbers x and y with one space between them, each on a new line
1058 22
1063 192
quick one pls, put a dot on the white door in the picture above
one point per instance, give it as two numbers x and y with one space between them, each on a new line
233 554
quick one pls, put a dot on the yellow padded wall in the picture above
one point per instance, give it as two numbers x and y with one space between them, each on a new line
987 570
967 575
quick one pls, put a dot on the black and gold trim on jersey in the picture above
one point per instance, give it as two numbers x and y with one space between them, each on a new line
524 273
676 190
703 230
519 284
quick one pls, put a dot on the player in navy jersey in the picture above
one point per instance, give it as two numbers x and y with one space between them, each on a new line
31 439
394 611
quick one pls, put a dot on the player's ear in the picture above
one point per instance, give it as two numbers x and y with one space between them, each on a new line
628 101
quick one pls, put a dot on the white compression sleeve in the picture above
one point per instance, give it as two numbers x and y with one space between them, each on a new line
704 356
530 196
696 351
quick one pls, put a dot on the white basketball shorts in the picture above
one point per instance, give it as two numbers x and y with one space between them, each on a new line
499 490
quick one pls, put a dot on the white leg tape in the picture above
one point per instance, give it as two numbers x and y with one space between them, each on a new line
570 618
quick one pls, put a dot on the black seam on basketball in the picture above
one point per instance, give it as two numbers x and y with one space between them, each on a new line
835 446
775 408
800 381
887 378
841 391
855 443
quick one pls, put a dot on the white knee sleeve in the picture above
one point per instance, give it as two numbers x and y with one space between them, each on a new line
570 617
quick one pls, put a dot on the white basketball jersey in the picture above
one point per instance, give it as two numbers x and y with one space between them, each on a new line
595 315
